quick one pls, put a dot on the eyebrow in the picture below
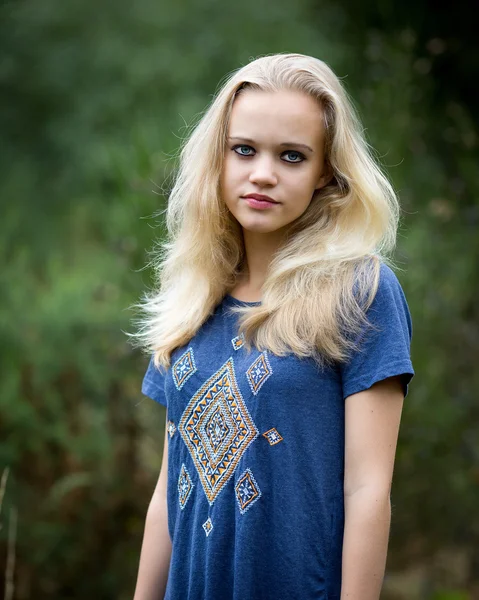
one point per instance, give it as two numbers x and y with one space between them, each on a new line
283 145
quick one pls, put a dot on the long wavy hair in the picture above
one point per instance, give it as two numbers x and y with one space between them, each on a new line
323 278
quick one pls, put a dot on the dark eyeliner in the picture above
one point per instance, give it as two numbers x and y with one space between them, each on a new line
236 146
294 162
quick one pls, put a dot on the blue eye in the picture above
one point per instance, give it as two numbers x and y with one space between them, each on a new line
295 157
243 150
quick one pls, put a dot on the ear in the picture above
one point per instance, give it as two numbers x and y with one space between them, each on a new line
326 176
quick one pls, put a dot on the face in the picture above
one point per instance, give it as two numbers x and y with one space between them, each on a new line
274 158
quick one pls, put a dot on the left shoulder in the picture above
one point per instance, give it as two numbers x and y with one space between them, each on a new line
389 290
387 277
382 348
375 278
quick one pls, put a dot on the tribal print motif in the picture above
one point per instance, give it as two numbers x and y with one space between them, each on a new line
238 342
183 368
217 429
247 491
273 437
185 485
259 372
172 428
208 526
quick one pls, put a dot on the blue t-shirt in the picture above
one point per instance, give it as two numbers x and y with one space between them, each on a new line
256 456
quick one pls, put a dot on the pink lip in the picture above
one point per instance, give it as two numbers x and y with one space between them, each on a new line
261 198
259 201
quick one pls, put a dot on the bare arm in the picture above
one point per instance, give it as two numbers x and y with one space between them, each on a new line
156 547
372 426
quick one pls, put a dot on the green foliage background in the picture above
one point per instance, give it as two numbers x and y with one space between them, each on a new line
95 98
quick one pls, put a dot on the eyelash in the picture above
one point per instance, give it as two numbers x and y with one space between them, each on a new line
291 162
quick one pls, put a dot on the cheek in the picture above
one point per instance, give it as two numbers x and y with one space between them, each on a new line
228 186
233 175
225 178
302 187
228 174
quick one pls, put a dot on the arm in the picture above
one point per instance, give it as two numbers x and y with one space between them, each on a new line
156 547
372 426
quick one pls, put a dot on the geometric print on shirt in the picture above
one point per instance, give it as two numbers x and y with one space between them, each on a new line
185 485
208 526
247 491
238 342
272 436
172 428
217 429
183 368
259 372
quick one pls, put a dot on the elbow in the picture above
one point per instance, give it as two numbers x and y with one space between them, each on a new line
368 504
374 495
371 486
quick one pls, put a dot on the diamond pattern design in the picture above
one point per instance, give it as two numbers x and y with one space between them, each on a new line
171 428
208 526
247 491
185 485
217 429
259 372
183 368
238 342
273 436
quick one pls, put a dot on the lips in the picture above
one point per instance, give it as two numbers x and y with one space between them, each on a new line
261 198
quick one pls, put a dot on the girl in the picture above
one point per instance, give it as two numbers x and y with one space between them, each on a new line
280 342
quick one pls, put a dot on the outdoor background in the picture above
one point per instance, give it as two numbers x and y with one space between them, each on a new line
95 97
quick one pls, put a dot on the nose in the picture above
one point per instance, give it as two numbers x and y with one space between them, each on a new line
263 171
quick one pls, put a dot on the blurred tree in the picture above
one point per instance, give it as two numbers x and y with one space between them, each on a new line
94 101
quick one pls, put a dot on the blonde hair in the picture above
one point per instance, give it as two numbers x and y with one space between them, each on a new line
322 280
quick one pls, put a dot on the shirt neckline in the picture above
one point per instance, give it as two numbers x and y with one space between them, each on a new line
232 300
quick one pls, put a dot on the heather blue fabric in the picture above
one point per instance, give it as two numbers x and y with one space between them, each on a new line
256 456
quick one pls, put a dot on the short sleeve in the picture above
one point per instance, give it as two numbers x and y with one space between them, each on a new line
383 350
154 384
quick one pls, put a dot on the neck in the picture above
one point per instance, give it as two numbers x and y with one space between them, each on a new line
259 251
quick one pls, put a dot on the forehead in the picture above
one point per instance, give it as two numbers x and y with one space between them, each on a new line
283 113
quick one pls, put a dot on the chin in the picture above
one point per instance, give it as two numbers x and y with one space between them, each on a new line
260 227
